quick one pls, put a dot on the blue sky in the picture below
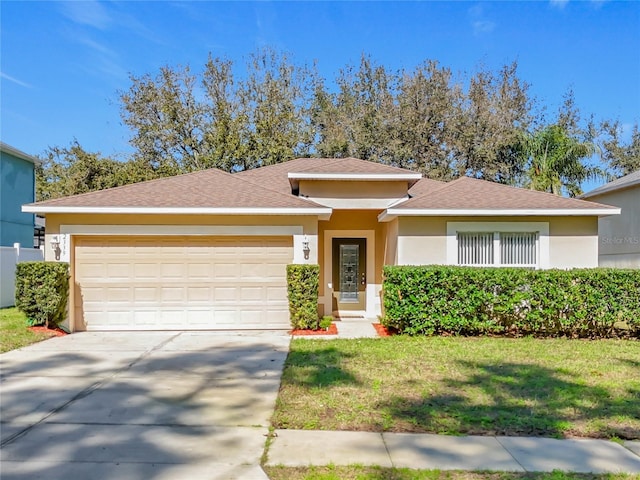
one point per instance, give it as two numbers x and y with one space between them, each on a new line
62 63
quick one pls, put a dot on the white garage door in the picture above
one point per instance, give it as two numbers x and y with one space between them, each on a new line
164 283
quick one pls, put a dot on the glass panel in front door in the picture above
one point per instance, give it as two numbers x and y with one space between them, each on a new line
349 258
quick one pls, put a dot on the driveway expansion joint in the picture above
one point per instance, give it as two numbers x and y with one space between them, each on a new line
89 390
80 395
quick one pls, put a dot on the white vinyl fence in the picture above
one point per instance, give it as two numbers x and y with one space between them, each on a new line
9 258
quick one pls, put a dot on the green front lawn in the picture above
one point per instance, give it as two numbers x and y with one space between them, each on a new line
451 385
14 332
379 473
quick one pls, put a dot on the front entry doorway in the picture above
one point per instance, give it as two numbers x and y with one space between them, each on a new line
349 273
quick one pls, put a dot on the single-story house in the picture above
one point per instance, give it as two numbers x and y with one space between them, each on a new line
208 250
619 244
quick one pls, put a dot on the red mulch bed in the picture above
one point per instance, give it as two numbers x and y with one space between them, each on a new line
333 330
54 332
382 330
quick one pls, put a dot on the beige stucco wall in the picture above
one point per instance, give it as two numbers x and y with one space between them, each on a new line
619 235
309 224
573 241
353 189
55 220
353 220
422 241
391 242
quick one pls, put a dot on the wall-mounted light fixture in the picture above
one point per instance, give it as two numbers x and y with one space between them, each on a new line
305 247
55 246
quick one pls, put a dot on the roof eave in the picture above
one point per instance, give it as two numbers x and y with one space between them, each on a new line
410 178
604 190
19 154
391 213
322 212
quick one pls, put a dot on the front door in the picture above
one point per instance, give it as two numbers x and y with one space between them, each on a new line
349 273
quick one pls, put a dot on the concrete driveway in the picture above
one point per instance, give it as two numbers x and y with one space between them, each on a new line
129 405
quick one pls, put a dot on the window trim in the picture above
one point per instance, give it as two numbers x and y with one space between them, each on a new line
541 228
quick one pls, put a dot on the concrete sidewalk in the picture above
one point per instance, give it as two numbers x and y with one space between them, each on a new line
444 452
357 327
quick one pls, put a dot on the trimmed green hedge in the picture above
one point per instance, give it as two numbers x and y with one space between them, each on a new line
42 291
302 287
586 303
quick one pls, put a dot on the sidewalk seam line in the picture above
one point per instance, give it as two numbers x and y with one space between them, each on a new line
509 452
386 447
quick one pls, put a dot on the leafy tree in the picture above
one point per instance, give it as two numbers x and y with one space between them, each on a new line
496 114
182 123
274 100
72 170
357 120
622 158
428 105
483 125
556 161
224 119
166 120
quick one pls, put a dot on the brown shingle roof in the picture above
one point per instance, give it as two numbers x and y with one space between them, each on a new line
276 176
203 189
469 193
425 185
268 187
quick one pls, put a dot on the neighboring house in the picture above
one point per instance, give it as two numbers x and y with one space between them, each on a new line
619 244
208 250
17 187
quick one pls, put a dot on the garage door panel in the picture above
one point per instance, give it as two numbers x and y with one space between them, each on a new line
172 270
141 294
252 294
199 294
182 282
92 270
144 271
145 317
252 270
198 270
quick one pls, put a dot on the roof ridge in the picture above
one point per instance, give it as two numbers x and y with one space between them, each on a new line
330 161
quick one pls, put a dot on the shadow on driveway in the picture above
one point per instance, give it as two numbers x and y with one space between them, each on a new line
186 405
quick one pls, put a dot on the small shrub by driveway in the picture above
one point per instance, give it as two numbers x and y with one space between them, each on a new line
14 332
457 385
42 291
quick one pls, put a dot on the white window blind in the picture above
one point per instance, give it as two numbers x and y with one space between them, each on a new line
498 248
475 248
518 249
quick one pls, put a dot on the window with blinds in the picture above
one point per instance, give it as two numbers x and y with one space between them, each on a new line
518 249
475 248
